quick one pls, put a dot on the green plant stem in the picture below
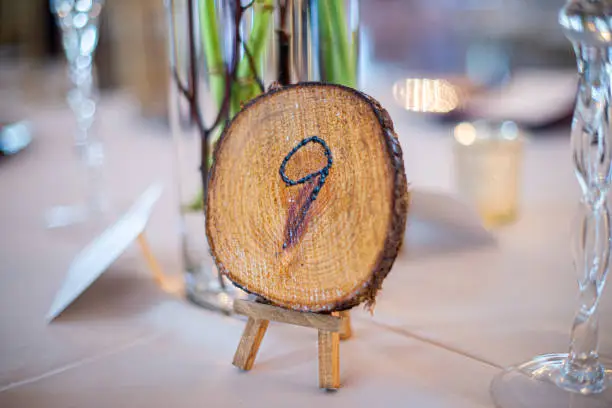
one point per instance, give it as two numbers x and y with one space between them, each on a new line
338 55
246 86
325 43
341 40
212 49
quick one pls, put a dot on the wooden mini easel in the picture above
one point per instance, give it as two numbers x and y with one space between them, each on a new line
332 328
174 286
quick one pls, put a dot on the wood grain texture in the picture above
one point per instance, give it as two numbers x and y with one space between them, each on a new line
346 330
261 311
249 343
326 253
329 360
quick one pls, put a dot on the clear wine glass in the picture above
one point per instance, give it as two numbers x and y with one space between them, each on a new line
579 378
78 21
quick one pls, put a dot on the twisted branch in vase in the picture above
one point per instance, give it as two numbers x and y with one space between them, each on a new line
224 82
284 76
230 86
246 82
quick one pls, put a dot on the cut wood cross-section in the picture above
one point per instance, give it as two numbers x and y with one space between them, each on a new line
307 198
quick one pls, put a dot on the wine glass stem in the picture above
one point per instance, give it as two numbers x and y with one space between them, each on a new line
90 148
583 364
592 156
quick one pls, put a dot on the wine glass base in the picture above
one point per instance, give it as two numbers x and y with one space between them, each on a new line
61 216
535 384
66 215
204 289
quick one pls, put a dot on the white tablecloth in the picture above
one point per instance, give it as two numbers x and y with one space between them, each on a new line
449 318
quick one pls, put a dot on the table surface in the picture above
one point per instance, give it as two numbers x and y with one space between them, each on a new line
451 314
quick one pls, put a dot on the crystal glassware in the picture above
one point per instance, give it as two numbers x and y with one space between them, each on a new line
78 22
579 378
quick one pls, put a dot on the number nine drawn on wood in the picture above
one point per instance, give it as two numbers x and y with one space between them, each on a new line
298 210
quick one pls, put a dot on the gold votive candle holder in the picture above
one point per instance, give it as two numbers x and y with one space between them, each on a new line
488 161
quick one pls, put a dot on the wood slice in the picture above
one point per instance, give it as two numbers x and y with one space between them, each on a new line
308 198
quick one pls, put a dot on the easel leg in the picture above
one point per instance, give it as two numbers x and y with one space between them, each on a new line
158 275
165 282
329 360
346 331
249 343
329 327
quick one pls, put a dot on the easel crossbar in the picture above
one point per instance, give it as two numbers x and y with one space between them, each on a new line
262 311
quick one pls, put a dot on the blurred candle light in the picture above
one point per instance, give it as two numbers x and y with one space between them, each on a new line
488 158
426 95
465 133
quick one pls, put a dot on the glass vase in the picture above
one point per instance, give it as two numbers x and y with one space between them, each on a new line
211 76
222 54
579 378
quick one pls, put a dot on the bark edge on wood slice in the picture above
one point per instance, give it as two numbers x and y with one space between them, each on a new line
275 239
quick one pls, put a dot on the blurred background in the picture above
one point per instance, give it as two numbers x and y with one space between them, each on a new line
482 41
131 53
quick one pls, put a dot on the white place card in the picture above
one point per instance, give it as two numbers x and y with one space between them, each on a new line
94 259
